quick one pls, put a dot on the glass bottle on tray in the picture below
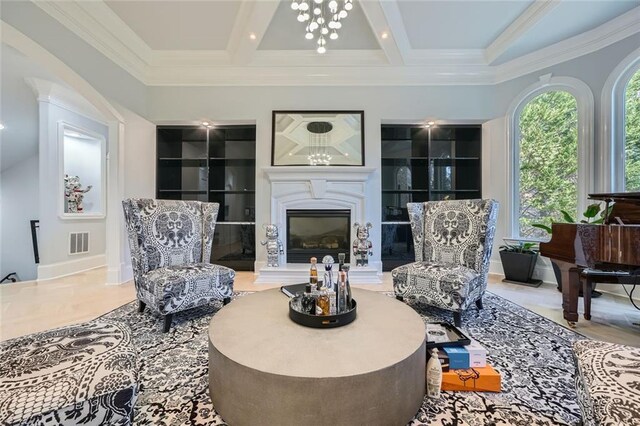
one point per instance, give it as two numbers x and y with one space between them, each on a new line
313 272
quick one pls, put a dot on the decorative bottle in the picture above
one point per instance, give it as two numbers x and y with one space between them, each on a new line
328 275
345 269
341 257
313 272
434 375
342 293
308 302
323 302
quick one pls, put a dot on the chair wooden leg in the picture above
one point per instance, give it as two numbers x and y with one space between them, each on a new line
400 298
479 303
457 319
141 306
167 322
226 301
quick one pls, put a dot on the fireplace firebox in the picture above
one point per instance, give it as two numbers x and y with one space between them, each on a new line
317 233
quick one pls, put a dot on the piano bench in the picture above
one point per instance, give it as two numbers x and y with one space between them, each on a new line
606 382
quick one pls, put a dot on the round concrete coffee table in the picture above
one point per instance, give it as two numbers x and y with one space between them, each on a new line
264 369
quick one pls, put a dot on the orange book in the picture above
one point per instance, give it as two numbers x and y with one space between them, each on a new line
477 379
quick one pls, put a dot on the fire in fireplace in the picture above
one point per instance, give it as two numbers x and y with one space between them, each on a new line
317 233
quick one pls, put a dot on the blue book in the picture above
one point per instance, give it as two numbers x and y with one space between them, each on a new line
458 357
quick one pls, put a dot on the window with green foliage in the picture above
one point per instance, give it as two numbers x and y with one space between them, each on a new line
632 134
548 161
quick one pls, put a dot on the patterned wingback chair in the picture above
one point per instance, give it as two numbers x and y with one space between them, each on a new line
170 244
453 242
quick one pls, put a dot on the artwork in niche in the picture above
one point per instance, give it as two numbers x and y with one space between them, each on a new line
82 172
318 138
74 194
362 245
273 245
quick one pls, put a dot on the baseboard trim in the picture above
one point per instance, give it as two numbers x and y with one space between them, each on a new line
71 267
119 275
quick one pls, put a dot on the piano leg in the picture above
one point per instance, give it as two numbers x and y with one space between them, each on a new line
570 291
586 295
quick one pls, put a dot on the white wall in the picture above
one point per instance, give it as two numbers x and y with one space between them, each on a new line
139 169
18 205
139 155
54 231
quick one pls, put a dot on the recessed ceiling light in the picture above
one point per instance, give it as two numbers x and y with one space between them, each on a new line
291 153
252 36
205 123
346 154
385 35
1 126
426 126
431 123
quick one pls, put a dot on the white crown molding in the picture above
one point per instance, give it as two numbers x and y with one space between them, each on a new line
188 58
523 23
241 64
56 94
12 37
426 57
98 25
606 34
322 76
309 58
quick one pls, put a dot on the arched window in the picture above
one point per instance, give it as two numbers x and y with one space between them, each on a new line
551 134
632 134
619 152
548 161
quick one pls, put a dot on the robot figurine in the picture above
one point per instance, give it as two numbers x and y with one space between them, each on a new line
274 245
362 245
74 193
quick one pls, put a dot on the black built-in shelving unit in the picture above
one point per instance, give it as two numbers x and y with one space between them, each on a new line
217 165
423 164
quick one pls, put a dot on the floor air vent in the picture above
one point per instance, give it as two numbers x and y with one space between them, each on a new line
78 242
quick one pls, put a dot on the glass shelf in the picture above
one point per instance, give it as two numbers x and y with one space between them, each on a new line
214 165
421 165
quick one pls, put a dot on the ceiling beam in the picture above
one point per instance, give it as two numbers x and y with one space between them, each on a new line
384 17
254 18
523 23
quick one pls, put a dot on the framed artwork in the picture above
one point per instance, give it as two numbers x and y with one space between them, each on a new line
317 138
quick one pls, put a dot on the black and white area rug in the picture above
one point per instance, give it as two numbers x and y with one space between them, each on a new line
532 353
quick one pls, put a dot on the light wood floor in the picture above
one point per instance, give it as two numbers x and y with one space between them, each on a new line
36 306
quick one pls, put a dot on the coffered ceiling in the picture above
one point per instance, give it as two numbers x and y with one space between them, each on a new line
382 42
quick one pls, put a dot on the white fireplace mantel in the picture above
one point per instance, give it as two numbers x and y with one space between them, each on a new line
321 187
331 173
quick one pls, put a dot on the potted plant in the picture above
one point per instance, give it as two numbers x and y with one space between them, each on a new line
519 261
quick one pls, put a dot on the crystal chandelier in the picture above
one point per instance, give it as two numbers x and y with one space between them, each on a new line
318 143
323 16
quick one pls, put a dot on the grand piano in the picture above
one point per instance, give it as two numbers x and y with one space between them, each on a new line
610 250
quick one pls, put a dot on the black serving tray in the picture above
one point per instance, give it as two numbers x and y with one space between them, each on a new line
454 336
323 321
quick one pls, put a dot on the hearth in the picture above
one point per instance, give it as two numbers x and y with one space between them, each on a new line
317 233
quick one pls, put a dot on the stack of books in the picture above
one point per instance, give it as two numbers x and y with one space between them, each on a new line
465 368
